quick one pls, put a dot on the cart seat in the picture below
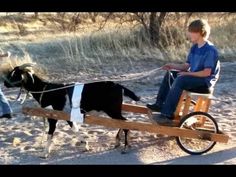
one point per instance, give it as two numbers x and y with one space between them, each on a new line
201 91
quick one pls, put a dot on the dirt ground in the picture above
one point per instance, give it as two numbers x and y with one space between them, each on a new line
21 136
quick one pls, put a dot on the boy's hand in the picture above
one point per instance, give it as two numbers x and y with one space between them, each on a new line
168 66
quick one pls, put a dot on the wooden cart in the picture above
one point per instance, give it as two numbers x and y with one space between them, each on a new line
195 130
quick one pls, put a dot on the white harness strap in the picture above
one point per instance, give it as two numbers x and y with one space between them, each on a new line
41 96
75 115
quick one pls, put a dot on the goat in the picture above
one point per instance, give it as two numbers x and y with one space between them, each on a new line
104 96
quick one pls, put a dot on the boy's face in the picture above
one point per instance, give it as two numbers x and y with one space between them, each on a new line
194 36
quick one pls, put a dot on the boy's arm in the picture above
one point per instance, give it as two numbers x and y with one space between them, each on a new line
204 73
181 67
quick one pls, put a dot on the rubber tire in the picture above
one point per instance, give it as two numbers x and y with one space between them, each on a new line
183 120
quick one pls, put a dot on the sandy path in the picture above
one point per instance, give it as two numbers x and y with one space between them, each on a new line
146 148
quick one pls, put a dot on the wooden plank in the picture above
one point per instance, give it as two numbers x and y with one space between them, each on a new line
152 128
64 116
198 104
204 108
179 106
125 107
134 108
140 126
150 116
53 114
206 105
186 105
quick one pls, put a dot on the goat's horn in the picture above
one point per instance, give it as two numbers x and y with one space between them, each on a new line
27 65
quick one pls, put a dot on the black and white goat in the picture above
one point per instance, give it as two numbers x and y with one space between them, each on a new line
98 96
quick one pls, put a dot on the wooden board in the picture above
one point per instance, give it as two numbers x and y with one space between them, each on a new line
152 128
179 106
186 105
53 114
134 108
140 126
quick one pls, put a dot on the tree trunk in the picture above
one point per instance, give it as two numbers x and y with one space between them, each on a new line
61 15
93 16
155 26
36 15
75 21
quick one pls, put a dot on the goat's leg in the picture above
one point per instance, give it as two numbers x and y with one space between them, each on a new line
52 128
127 145
44 130
127 138
75 128
48 146
118 137
116 114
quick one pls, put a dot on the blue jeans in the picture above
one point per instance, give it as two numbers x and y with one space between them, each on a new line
6 109
168 98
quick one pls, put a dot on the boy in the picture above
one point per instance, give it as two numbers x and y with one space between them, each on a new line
200 72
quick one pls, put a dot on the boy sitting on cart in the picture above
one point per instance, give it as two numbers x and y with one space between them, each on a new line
199 74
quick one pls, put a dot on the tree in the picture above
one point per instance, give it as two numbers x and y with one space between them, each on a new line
75 20
93 16
155 24
36 15
152 23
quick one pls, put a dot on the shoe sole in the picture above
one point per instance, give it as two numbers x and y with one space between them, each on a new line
154 110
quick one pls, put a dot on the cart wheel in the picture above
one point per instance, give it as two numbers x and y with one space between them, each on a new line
191 121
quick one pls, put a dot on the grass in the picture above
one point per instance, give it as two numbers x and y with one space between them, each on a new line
90 49
9 63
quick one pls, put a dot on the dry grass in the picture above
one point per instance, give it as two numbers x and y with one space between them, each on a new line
90 49
8 64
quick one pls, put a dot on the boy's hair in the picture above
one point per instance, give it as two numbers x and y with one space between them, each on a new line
200 26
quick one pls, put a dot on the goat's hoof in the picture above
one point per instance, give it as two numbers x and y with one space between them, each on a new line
126 149
117 145
44 156
80 143
85 146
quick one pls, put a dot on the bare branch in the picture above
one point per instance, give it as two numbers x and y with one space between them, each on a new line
140 18
105 21
188 15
